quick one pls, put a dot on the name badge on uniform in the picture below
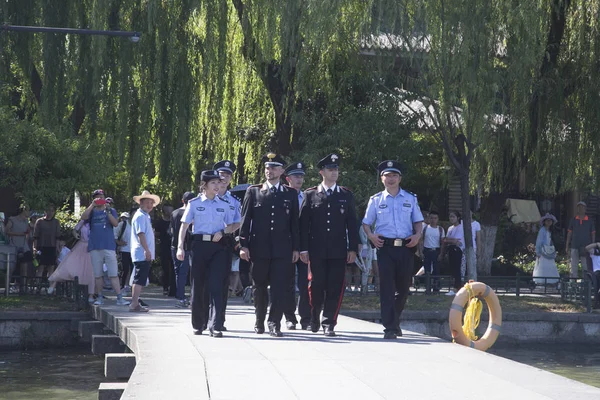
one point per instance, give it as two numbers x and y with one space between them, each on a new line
342 200
383 206
232 207
407 205
220 210
200 208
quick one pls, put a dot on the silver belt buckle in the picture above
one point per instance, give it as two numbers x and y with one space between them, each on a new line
397 242
206 238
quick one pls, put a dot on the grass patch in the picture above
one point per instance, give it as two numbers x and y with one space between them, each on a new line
36 303
437 303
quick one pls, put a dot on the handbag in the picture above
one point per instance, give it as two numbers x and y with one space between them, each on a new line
549 251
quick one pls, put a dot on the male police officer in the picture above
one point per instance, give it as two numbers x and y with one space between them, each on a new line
294 175
269 237
397 218
329 240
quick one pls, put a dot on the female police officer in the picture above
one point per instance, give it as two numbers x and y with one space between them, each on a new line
211 218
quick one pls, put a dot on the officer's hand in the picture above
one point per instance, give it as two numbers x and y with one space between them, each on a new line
376 240
351 257
245 254
147 255
217 236
440 257
295 256
414 240
304 257
180 254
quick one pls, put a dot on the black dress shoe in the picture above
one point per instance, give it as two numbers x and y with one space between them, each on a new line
197 332
290 326
390 335
305 327
314 327
224 329
328 331
275 332
399 333
215 333
259 329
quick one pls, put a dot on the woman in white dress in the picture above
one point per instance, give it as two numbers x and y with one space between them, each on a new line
545 266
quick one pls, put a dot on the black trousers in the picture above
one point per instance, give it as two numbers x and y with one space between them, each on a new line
209 267
168 278
326 289
127 266
275 272
303 297
396 268
455 260
245 273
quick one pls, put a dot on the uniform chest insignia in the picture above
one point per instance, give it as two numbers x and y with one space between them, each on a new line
406 205
342 201
383 206
220 210
231 207
200 208
342 210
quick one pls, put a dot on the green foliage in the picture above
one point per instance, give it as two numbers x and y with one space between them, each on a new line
42 167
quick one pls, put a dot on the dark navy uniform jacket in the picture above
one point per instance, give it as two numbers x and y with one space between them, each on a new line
328 224
269 227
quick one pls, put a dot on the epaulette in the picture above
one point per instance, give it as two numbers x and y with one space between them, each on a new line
311 188
414 194
195 198
255 186
345 188
377 194
223 199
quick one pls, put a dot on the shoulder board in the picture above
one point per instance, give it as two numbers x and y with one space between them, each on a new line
311 188
255 186
285 188
377 194
195 198
410 193
223 199
346 189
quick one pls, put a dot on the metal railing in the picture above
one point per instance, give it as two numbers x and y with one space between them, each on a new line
73 291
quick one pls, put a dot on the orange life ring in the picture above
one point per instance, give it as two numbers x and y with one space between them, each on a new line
457 308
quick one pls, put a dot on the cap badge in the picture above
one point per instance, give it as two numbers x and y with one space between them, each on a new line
227 163
299 165
271 156
389 164
334 157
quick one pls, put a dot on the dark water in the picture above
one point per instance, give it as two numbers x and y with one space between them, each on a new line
69 373
581 363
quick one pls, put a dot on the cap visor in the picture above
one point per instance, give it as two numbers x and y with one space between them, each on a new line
388 170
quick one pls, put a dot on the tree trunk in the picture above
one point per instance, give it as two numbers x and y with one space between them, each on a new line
467 229
491 209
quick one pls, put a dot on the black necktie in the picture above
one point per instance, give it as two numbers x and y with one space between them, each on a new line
273 189
328 192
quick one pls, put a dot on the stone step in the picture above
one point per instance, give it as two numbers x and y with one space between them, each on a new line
102 344
89 328
119 366
111 391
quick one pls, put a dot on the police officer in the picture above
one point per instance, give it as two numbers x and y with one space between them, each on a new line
225 169
269 238
398 224
328 240
211 219
294 175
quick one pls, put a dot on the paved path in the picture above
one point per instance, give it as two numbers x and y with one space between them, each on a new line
173 363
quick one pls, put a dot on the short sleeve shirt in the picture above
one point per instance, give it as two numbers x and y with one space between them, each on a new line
141 223
457 232
475 227
102 236
582 229
207 216
393 216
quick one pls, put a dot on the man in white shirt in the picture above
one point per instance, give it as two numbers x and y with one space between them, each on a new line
476 230
433 244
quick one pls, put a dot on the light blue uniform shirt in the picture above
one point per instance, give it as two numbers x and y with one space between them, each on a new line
234 206
208 216
393 216
141 223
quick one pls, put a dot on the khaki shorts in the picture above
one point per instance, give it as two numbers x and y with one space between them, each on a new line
101 257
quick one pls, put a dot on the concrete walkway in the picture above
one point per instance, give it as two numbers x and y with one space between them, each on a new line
173 363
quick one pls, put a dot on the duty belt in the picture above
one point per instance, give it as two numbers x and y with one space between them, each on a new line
388 242
202 237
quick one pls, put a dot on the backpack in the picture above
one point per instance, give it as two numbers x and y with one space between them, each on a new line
440 230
